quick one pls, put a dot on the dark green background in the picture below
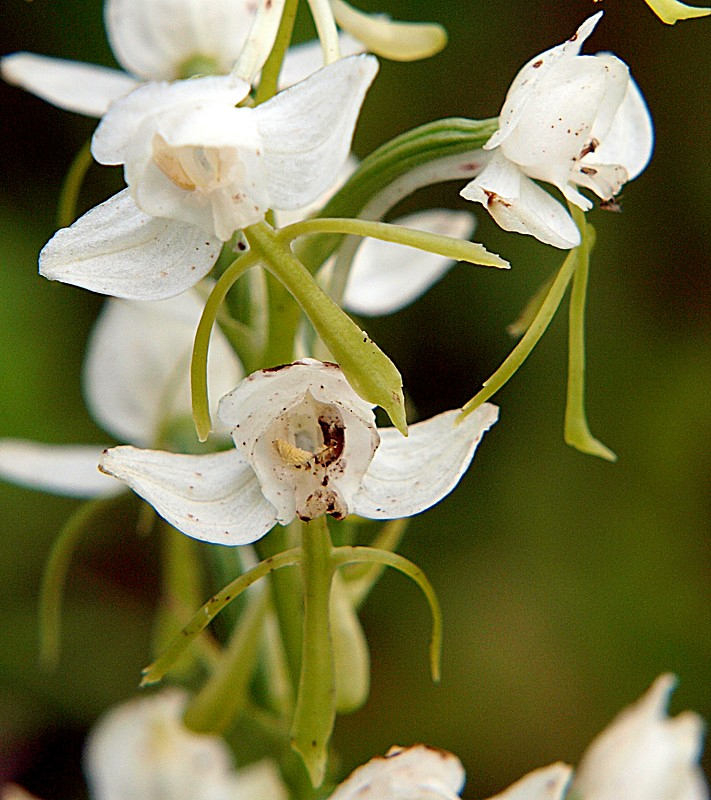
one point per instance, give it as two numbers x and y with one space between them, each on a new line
567 583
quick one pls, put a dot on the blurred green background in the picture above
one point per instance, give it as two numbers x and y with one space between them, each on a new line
567 583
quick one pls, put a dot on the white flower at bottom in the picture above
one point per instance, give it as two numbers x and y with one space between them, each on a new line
411 773
644 754
569 120
305 445
141 749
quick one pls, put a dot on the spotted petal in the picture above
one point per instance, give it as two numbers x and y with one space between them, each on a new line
215 498
408 475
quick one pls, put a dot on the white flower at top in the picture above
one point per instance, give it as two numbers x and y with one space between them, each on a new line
198 169
305 445
136 387
151 39
572 121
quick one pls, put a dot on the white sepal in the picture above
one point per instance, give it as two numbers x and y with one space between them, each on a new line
307 130
412 773
386 277
118 250
215 498
644 754
71 85
410 474
136 370
67 470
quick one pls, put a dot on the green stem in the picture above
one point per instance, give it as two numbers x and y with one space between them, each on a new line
69 193
576 430
369 371
369 555
315 713
286 594
224 696
530 339
269 79
154 672
55 576
198 364
451 247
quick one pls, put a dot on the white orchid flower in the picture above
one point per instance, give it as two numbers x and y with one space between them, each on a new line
569 120
135 384
411 773
546 783
198 169
305 445
644 754
151 39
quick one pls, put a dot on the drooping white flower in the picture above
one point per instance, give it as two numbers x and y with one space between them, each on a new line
572 121
305 445
151 39
135 385
198 169
644 754
411 773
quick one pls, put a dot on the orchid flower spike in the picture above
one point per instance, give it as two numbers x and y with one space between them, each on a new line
644 754
136 388
305 445
572 121
410 773
152 40
198 169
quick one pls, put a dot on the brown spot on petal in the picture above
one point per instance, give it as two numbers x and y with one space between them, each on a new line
537 64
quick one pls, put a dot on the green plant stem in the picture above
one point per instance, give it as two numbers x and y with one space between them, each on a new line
315 712
269 79
576 430
69 193
530 339
198 364
154 672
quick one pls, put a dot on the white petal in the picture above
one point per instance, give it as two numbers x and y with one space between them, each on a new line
386 277
518 204
118 250
137 366
547 783
630 139
412 773
304 59
153 39
69 470
74 86
260 781
522 91
215 498
307 129
645 755
141 749
411 474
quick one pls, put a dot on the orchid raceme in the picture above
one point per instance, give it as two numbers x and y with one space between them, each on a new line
305 445
153 40
136 388
199 169
572 121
